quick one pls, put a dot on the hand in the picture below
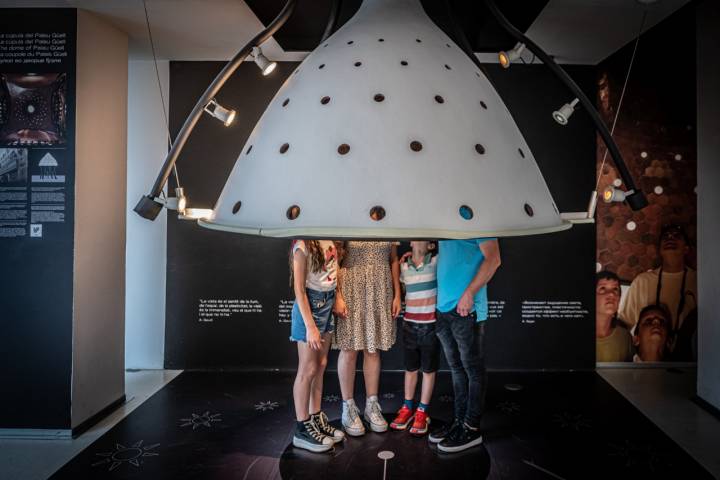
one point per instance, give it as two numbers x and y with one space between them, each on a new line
396 306
314 340
405 256
465 305
340 307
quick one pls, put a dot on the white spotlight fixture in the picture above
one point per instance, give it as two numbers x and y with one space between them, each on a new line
195 213
265 65
225 115
506 58
612 194
562 115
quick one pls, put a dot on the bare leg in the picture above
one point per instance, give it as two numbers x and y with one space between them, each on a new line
347 361
411 383
316 387
428 383
371 370
307 368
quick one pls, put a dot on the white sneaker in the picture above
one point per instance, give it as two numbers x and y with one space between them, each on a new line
351 419
374 416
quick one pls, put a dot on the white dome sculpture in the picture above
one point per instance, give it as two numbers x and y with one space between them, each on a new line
386 130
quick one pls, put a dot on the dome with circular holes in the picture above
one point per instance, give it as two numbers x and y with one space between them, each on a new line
386 130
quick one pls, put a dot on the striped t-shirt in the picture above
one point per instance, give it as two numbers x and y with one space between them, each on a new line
420 289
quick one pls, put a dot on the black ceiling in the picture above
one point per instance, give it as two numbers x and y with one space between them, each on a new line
304 29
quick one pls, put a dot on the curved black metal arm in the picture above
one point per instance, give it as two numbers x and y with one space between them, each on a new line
147 207
332 19
637 199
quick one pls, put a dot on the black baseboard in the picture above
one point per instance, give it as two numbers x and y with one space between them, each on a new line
84 426
707 406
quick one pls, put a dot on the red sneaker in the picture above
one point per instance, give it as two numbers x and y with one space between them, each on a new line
403 418
420 425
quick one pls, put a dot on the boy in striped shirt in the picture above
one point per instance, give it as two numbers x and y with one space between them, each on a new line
422 350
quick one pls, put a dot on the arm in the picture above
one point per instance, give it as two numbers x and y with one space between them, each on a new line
395 270
340 307
314 340
491 251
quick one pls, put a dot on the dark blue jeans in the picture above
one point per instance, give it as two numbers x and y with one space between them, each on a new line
462 339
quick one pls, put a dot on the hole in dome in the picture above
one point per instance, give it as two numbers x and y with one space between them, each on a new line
284 104
350 42
284 147
448 66
381 39
293 212
465 212
404 63
529 210
325 100
522 154
357 64
418 40
377 213
343 149
379 97
236 207
483 105
416 146
249 150
439 99
322 65
479 149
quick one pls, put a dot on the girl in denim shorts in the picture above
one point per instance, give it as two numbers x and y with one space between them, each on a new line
314 278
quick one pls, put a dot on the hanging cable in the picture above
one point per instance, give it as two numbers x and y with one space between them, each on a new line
160 89
622 95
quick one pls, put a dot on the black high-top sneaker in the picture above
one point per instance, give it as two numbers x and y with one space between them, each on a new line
308 436
323 424
440 433
460 439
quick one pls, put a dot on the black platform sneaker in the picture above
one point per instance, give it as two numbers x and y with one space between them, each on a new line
308 437
323 424
440 433
462 438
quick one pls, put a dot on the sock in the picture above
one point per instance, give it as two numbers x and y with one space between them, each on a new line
312 415
409 403
423 406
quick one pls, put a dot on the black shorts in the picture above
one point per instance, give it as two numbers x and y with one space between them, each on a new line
422 348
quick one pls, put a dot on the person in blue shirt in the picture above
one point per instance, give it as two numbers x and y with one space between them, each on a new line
464 268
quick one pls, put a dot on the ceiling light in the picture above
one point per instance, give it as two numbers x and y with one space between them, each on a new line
225 115
265 65
562 115
506 58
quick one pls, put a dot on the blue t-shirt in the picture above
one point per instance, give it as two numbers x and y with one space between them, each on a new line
458 263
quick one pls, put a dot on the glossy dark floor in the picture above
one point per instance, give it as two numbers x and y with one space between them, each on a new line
239 425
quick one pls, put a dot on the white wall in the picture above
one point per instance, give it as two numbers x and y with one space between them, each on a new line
98 376
708 131
146 240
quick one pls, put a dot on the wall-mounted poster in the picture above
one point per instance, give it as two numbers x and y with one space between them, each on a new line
646 286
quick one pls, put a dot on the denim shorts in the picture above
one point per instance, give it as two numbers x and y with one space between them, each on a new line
321 305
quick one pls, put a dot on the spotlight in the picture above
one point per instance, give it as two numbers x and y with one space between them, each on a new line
195 213
612 194
562 115
266 66
225 115
506 58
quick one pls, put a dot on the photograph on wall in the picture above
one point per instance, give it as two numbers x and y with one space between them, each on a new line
646 284
33 109
13 165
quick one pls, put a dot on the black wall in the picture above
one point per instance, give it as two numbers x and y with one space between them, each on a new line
36 283
210 265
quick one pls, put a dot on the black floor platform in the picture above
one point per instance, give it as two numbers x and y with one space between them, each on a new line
239 426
